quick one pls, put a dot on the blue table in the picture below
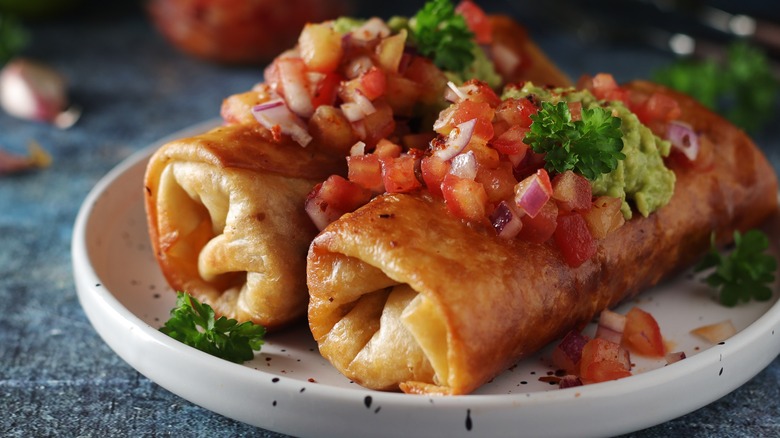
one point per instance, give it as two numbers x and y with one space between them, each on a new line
57 378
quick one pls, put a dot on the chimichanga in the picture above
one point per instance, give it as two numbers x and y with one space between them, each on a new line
405 295
226 222
226 208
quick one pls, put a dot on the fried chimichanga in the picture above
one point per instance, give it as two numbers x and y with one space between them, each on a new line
404 295
226 209
226 222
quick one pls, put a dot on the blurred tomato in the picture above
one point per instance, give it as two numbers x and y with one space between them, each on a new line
239 31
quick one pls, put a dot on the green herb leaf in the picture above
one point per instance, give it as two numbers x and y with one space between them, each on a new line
743 90
590 146
745 273
443 35
196 325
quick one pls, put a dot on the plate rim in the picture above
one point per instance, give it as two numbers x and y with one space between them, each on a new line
95 299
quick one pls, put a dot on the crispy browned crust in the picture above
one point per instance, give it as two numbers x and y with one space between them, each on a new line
503 300
534 64
226 220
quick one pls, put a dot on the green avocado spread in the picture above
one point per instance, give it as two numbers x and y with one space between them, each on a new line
642 177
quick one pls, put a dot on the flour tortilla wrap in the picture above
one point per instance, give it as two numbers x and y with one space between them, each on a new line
226 220
406 296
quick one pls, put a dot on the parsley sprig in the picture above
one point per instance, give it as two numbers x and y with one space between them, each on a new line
590 146
443 35
743 274
196 325
743 88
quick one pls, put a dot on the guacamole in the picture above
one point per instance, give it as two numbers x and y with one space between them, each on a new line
642 176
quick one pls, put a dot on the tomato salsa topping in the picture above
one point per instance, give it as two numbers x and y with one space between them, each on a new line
537 164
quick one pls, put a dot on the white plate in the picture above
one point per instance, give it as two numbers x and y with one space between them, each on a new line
289 388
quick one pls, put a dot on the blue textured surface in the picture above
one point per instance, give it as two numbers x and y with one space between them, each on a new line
57 378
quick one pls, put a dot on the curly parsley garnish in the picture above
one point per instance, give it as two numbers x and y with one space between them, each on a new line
443 35
743 88
195 324
590 146
745 273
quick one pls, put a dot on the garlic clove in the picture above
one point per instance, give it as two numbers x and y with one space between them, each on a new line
33 91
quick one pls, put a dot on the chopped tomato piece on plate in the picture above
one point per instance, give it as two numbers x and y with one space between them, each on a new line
642 334
465 198
476 20
603 360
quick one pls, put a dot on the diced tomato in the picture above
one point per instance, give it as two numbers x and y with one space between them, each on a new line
511 142
605 87
642 334
603 360
399 174
540 228
343 194
499 182
516 112
387 149
325 91
657 107
373 83
433 170
574 239
480 91
604 216
464 198
366 171
575 108
476 20
332 198
320 47
572 192
464 111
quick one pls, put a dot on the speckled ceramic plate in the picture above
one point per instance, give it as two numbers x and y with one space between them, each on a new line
290 388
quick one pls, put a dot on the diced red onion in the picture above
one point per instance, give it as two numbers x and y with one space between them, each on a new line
531 195
457 140
683 138
674 357
364 103
320 212
506 221
454 93
612 320
276 113
568 353
295 87
357 149
358 66
464 165
608 334
569 381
